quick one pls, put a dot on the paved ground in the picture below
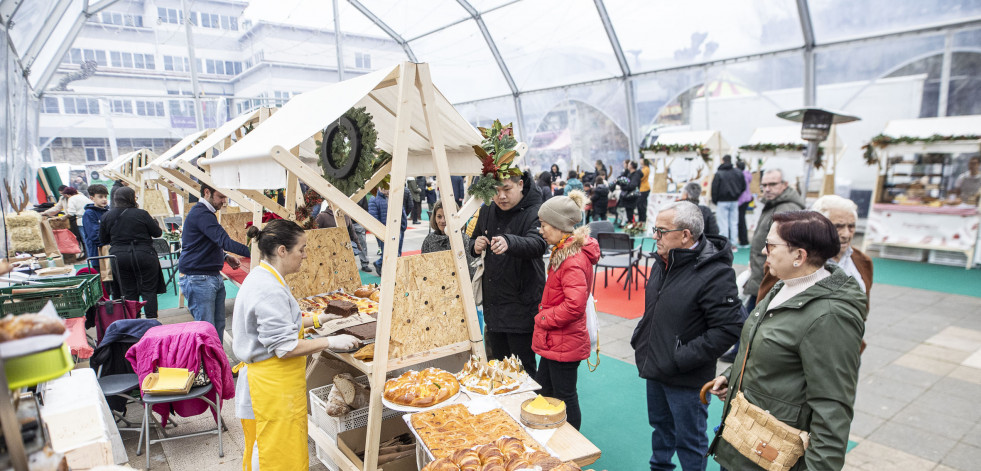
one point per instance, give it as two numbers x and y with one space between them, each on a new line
916 407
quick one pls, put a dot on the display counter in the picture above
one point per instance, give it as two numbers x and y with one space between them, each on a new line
945 234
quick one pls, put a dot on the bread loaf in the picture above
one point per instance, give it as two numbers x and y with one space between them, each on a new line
29 325
442 464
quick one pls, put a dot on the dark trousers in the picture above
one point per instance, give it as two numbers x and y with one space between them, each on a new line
139 277
743 237
503 344
630 213
599 214
558 380
642 206
679 420
416 211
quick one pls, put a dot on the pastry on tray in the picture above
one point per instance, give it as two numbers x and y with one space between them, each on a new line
341 308
29 325
494 377
448 429
362 331
424 388
505 453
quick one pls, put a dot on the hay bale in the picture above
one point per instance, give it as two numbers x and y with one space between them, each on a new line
25 232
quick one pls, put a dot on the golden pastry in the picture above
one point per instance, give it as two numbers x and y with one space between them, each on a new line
421 388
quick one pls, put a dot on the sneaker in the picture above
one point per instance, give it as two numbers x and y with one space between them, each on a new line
366 268
735 249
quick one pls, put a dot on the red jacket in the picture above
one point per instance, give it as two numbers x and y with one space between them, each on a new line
560 325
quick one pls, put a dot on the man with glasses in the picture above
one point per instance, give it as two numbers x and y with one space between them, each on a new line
691 315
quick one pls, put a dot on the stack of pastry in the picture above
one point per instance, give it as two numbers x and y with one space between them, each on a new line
453 427
424 388
371 292
494 377
29 325
504 454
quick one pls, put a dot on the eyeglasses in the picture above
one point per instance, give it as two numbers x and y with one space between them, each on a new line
660 231
770 185
769 246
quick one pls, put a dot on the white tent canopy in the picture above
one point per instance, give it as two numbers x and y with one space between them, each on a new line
171 153
248 164
211 140
927 127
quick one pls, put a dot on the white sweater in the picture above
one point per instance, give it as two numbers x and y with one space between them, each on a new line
266 320
795 286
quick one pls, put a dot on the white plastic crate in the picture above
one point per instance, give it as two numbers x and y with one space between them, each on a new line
943 257
902 253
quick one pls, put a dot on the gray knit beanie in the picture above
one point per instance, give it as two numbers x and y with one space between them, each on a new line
563 212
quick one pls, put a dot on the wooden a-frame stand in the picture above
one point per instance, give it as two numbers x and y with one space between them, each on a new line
415 87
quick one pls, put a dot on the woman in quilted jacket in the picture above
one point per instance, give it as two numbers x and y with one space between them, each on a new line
560 337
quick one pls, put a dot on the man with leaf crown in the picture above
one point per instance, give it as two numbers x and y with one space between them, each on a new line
507 237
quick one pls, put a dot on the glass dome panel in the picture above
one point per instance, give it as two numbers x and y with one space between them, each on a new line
413 19
546 44
660 34
462 65
840 19
46 56
483 113
28 20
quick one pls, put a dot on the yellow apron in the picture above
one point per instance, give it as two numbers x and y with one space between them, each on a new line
279 401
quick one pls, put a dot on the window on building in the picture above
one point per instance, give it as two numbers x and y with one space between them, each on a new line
46 155
131 60
142 143
81 105
149 108
170 15
124 143
362 60
122 106
50 105
210 20
95 154
80 56
121 19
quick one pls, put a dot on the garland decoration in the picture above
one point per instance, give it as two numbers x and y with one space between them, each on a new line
883 140
496 152
351 145
785 146
635 229
673 148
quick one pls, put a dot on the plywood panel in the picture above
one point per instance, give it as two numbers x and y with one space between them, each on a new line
234 225
428 309
154 203
330 264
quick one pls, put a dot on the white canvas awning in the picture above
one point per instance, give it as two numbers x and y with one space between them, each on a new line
788 135
118 162
249 165
711 140
211 140
927 127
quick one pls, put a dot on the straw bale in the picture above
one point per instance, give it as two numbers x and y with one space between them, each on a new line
428 309
25 232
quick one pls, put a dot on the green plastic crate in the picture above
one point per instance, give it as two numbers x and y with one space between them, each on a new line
72 296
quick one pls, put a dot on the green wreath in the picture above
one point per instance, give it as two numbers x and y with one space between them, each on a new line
341 150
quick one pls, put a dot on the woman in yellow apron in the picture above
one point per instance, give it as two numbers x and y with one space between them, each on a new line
270 394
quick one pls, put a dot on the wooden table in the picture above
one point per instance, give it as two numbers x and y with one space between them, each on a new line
567 442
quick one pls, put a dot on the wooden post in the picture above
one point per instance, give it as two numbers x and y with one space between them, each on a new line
400 155
453 223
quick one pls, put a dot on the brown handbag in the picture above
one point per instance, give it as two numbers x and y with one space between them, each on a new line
758 435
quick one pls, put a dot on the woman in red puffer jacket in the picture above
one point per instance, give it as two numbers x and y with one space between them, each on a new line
560 337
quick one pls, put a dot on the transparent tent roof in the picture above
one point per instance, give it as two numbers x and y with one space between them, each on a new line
563 71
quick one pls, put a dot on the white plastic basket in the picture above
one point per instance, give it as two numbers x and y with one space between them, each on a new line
902 253
943 257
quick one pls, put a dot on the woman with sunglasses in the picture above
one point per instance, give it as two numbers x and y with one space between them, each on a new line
799 349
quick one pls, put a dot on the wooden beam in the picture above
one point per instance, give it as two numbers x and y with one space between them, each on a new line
329 446
413 128
243 200
454 223
372 182
266 202
329 192
470 206
433 354
400 155
292 188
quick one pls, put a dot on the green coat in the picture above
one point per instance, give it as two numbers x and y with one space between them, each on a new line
803 367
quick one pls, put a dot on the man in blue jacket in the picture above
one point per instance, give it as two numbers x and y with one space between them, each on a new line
378 207
203 246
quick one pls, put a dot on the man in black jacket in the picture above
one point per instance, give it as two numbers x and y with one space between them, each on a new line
727 185
514 273
691 316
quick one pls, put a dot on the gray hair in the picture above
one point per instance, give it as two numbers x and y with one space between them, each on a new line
692 191
777 171
687 216
826 203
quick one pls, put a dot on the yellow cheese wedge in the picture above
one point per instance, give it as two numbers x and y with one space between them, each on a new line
541 406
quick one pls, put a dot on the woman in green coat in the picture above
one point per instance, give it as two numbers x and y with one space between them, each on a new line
803 340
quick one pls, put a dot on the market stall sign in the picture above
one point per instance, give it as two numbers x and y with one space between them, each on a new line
882 141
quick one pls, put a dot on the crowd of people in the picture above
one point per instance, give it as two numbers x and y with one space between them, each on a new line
794 344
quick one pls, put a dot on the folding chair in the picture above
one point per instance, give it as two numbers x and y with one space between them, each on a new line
616 251
168 260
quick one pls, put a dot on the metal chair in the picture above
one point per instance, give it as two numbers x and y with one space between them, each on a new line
168 260
111 352
173 222
197 392
616 251
597 227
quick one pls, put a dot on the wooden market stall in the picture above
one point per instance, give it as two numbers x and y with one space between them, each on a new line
681 157
126 168
781 147
913 215
426 310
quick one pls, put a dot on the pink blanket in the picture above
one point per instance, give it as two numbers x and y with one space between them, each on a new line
184 345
